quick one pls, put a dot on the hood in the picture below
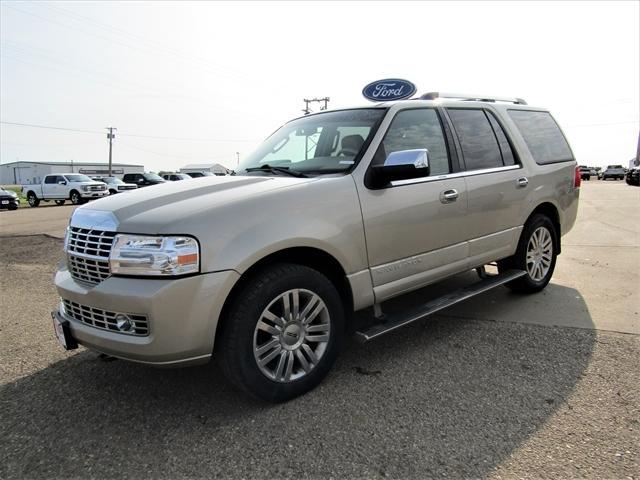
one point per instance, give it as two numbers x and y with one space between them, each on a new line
154 209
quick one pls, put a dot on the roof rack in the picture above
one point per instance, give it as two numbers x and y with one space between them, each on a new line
472 98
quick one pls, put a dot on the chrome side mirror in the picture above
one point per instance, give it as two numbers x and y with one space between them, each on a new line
401 165
418 158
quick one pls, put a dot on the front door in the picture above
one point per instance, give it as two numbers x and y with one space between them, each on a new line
415 229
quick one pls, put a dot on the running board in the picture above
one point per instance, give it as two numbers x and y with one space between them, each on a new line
397 320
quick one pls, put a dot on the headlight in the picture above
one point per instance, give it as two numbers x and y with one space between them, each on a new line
67 233
85 188
154 256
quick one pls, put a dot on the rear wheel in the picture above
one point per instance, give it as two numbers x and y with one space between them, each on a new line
59 202
536 255
32 199
282 333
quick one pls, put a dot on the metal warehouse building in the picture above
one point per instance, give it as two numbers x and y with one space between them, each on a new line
23 173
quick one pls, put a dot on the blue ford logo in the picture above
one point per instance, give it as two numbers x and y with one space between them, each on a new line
388 89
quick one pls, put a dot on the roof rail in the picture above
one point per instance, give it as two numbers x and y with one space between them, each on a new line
471 98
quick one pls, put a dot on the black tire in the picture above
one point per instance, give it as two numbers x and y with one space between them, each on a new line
13 206
527 284
75 197
60 202
235 345
32 199
112 192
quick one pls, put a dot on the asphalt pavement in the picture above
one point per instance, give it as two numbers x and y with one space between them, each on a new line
504 386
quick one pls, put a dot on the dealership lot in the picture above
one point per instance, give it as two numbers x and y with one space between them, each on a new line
500 386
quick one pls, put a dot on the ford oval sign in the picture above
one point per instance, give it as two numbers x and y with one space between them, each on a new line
388 89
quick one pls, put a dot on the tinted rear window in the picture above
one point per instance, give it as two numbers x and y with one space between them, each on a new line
478 141
542 135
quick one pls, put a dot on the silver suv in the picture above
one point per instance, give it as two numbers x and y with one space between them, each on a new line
336 212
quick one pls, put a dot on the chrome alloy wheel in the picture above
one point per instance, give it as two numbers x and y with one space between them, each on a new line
292 335
539 254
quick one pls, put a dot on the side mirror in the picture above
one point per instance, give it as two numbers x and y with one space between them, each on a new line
401 165
141 180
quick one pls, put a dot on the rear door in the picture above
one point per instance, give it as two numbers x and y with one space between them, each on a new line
497 185
50 186
414 235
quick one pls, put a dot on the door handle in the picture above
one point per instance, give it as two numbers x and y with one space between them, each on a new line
449 196
523 181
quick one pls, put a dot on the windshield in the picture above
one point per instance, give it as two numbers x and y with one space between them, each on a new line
154 177
112 180
323 143
78 178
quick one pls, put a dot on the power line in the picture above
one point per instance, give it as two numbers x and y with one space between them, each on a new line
156 137
185 157
50 128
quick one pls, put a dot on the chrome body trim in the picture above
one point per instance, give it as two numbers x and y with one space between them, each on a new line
94 220
469 173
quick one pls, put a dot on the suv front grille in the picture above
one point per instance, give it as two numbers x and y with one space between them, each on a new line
104 319
88 254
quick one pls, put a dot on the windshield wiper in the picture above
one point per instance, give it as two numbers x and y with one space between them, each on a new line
268 168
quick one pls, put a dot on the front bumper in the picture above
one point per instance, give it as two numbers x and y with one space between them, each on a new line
182 315
94 194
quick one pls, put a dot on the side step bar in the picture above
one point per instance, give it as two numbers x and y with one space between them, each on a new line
397 320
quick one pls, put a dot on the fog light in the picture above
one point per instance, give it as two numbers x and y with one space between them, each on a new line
124 323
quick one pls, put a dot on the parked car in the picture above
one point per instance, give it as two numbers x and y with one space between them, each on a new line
115 185
585 172
143 179
200 174
633 176
8 199
614 171
64 186
174 177
266 268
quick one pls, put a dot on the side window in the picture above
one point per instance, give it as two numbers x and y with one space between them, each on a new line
50 179
507 154
419 128
542 136
479 144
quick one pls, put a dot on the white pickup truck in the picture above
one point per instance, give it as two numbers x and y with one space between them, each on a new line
64 186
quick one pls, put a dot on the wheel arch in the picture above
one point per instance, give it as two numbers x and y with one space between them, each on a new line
311 257
551 211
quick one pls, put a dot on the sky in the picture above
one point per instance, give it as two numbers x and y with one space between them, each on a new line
197 82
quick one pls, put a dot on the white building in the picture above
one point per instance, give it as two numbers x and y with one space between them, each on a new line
214 168
23 173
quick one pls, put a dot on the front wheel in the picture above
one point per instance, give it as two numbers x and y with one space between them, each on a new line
282 332
59 202
75 197
536 255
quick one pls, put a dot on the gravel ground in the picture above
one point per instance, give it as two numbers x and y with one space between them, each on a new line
455 397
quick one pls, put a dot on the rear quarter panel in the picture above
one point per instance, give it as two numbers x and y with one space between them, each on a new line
551 183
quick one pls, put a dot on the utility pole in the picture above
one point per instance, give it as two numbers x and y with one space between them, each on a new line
110 136
307 101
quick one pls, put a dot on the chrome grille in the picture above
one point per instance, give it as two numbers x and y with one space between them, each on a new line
88 254
104 319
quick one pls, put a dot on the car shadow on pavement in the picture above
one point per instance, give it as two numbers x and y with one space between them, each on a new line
444 397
